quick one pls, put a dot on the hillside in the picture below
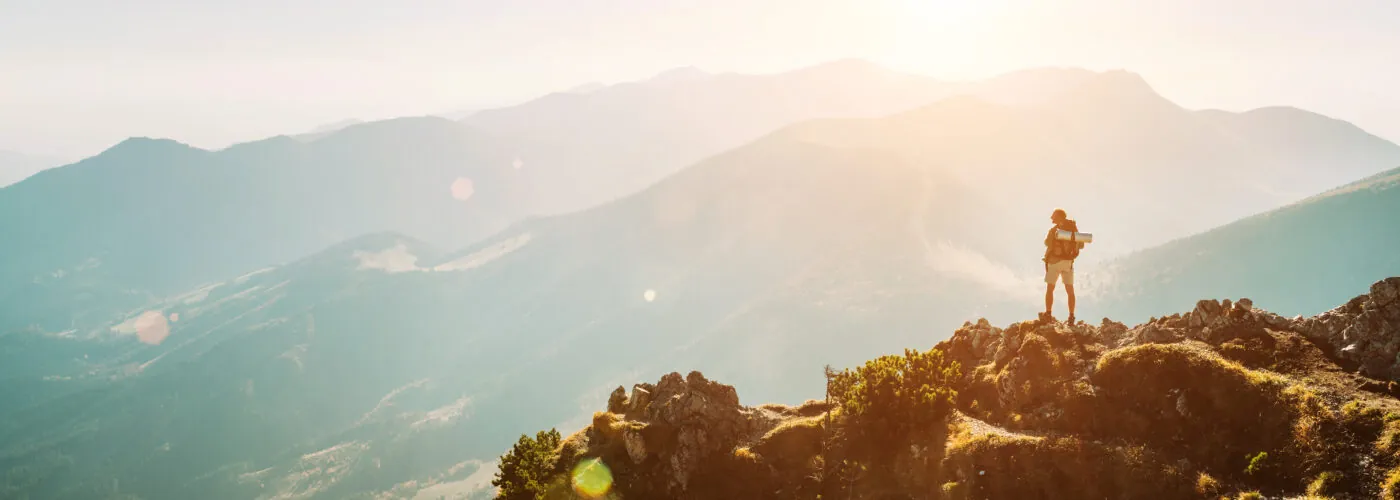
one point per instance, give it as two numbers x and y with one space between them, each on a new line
1300 257
139 317
383 349
148 217
1227 399
151 217
513 329
1122 157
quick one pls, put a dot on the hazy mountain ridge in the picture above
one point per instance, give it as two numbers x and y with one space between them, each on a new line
834 243
157 216
470 331
828 246
1113 146
203 216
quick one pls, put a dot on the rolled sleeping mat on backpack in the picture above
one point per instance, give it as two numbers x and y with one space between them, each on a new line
1072 236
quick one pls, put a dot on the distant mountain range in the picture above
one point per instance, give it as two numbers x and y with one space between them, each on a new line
327 129
1128 163
151 217
140 341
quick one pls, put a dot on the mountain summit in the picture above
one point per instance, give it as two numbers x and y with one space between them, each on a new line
1225 399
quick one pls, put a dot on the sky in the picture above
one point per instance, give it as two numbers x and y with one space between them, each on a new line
77 76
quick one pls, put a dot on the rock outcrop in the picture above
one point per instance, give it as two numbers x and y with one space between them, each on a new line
1364 331
1222 399
678 438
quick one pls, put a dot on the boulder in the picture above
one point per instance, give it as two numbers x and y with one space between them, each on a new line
641 398
1364 331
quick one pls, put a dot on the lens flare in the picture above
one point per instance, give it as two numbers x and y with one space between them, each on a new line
463 189
591 478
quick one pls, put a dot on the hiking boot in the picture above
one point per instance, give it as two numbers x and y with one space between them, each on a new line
1070 321
1046 317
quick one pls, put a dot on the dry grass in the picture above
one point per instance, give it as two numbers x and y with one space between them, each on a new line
1390 487
1326 483
1388 442
572 447
778 408
1019 466
795 439
1239 410
1207 485
743 453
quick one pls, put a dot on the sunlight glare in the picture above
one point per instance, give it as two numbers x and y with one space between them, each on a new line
591 478
938 32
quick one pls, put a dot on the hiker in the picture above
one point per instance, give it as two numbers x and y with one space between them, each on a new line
1059 262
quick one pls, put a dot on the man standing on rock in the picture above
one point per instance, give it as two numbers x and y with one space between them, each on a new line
1059 262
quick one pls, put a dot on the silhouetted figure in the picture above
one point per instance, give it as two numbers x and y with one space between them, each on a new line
1059 262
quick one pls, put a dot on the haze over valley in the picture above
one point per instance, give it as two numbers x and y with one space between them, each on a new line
379 308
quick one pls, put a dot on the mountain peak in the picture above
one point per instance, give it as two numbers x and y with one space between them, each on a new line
147 145
1115 88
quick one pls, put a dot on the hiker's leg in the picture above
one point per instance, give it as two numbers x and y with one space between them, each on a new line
1049 297
1069 289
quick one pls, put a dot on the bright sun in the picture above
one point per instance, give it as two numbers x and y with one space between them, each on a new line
944 13
940 32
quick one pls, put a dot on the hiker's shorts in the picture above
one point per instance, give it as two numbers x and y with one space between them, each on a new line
1062 269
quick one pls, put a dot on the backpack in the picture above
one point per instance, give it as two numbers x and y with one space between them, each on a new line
1066 249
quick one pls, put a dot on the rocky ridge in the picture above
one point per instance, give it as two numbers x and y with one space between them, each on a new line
1225 399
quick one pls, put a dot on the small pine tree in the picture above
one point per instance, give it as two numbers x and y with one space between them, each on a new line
892 395
525 470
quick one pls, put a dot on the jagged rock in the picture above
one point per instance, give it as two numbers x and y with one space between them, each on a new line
1365 331
1245 304
641 397
1152 333
672 431
1112 332
617 401
1275 321
982 334
636 446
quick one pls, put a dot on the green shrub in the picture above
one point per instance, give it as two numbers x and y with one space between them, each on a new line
1257 463
526 470
892 395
